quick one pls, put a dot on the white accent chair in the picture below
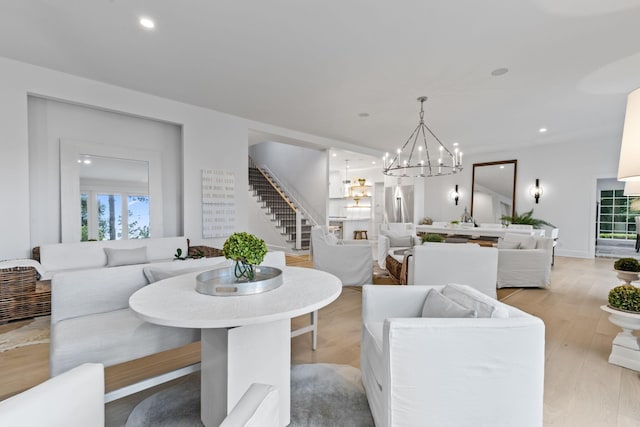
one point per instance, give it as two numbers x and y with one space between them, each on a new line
390 234
72 399
449 371
528 267
349 260
435 264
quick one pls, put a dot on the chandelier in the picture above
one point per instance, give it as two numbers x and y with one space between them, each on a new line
414 158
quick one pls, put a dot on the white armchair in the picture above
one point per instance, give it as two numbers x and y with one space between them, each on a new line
394 236
528 266
74 398
349 260
449 371
441 263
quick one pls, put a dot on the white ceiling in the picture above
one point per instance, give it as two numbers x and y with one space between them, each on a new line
314 66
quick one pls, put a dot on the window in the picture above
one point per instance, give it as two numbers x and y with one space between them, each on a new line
616 216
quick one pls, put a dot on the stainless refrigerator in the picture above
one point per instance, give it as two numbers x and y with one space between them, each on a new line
398 203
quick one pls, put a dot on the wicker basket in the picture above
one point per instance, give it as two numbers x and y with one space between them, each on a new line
20 297
17 281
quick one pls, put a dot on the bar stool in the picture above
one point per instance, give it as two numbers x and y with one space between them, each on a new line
360 235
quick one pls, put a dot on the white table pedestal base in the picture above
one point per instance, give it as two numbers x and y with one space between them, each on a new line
234 358
625 350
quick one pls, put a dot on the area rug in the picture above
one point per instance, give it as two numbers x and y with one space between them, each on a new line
321 395
35 332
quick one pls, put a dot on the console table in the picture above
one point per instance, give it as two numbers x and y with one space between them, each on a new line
473 231
245 339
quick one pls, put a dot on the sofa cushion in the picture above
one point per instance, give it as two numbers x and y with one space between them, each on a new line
400 240
111 338
482 304
118 257
439 306
502 244
156 272
526 242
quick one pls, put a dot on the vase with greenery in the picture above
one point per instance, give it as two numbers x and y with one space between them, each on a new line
527 219
432 237
247 251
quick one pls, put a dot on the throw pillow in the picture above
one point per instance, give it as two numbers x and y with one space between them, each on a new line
116 257
438 305
526 242
154 274
483 305
400 240
502 244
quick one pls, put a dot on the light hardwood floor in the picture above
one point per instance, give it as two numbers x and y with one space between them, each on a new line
581 387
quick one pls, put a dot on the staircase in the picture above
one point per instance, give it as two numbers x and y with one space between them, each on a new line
282 211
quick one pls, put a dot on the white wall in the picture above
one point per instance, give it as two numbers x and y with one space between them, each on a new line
568 174
210 140
50 121
300 169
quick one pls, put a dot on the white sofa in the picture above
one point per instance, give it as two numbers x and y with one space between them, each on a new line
395 236
442 263
350 261
525 267
90 316
449 371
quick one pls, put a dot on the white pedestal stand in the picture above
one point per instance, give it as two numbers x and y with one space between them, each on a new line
625 350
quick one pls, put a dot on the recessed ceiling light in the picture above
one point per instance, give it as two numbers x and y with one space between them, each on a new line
542 130
502 167
79 161
86 161
334 154
499 71
147 23
373 163
363 115
455 144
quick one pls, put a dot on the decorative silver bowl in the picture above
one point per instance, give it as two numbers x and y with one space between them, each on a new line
222 282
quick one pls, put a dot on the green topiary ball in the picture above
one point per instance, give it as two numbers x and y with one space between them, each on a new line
625 297
244 247
627 264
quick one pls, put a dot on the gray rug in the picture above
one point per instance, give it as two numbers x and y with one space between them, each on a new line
321 395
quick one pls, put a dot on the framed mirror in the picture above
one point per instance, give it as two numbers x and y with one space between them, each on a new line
109 192
493 191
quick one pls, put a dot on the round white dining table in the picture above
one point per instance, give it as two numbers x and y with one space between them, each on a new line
245 339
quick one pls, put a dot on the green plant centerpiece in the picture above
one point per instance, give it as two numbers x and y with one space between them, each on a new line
247 251
527 219
432 237
625 297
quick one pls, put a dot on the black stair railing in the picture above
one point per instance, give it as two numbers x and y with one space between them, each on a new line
281 209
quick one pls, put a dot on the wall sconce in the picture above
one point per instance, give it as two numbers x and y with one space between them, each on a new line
455 195
536 191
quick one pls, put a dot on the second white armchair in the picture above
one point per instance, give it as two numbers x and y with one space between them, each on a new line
349 260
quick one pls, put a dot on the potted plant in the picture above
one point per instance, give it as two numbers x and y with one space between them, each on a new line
625 298
526 218
247 251
432 237
628 269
